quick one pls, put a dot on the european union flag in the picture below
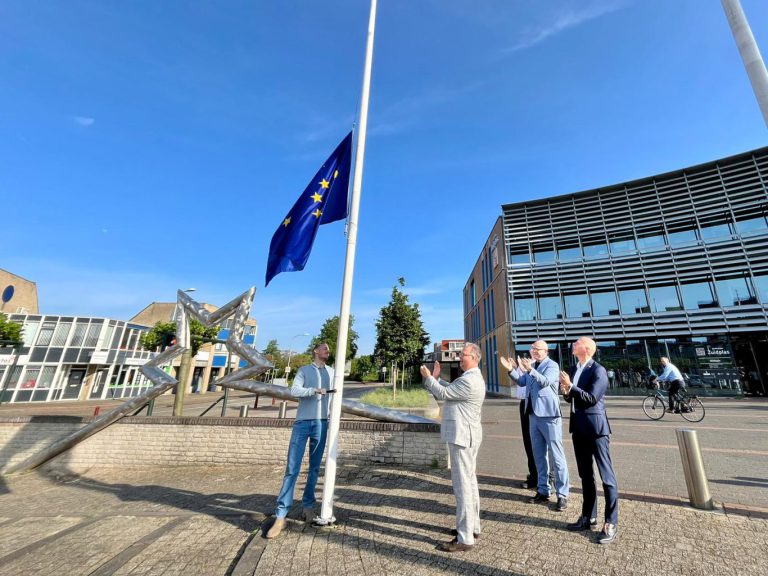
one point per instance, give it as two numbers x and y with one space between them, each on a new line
324 201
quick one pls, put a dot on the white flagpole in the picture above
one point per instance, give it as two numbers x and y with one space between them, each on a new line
750 54
326 512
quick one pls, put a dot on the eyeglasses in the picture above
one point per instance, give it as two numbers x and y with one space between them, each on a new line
539 349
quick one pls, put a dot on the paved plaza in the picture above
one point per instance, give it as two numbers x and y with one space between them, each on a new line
209 521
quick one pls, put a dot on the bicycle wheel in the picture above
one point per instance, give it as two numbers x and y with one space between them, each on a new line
695 412
654 407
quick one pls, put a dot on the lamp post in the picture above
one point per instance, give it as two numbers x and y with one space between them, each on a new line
290 353
184 368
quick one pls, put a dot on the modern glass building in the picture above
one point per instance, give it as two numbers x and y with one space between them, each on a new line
670 265
73 358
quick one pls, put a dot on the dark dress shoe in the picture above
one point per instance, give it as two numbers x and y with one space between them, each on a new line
583 523
454 547
539 498
562 503
455 532
608 534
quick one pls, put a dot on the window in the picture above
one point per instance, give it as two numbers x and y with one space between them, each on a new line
633 301
716 232
46 333
525 309
649 240
604 304
79 334
697 295
472 293
519 257
29 333
682 234
544 256
61 333
761 285
592 251
93 335
550 307
577 305
751 225
565 254
664 299
622 244
735 292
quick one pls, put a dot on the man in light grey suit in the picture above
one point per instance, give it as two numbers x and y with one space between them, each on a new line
462 430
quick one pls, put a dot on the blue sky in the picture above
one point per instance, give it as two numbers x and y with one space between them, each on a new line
149 146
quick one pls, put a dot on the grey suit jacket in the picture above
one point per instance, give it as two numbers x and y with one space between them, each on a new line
461 411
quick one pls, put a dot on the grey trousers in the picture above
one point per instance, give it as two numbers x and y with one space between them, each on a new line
464 480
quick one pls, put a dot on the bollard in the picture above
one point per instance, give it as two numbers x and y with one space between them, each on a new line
96 410
693 468
243 411
256 402
283 408
150 407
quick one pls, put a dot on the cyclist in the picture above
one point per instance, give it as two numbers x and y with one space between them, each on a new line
674 378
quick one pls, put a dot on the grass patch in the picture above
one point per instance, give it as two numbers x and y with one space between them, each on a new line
412 398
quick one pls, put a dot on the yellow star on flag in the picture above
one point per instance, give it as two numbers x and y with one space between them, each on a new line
336 173
324 183
317 213
316 197
287 221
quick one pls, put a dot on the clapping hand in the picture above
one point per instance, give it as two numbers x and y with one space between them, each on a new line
424 371
508 363
525 364
436 371
565 382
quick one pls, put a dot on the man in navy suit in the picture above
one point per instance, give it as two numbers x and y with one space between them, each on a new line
585 387
539 374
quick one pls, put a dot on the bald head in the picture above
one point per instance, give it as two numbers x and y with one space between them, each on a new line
584 348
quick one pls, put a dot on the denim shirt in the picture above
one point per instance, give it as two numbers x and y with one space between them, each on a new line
312 406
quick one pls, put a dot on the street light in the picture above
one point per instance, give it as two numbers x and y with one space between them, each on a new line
290 352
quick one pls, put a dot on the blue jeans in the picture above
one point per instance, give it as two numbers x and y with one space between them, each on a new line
547 438
315 431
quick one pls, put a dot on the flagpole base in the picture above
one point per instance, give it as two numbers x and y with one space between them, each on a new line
324 522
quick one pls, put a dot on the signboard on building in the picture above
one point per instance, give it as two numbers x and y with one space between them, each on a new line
713 356
135 361
99 357
7 360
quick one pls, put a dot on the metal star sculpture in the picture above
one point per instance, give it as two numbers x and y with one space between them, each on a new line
240 308
186 306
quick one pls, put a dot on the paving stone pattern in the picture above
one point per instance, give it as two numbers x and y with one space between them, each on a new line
209 521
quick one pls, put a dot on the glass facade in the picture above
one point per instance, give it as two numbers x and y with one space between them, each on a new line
674 260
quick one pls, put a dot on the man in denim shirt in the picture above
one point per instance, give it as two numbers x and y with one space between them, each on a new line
311 387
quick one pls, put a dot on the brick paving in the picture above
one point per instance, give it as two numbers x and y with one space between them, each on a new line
209 521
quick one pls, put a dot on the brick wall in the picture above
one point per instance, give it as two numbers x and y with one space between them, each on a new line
157 441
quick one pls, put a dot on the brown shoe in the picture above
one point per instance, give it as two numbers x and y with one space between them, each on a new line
454 547
309 515
276 528
455 532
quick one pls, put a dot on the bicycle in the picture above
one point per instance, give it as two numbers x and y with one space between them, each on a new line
690 407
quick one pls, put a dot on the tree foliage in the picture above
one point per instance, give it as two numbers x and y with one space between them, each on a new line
364 369
163 335
9 331
400 334
329 334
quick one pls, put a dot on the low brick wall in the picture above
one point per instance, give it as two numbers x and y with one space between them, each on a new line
156 441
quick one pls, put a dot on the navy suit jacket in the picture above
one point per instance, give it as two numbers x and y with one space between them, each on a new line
588 416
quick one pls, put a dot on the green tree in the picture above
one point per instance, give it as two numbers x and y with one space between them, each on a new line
400 334
363 369
10 332
163 335
329 333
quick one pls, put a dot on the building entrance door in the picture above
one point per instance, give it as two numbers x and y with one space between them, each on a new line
74 383
751 357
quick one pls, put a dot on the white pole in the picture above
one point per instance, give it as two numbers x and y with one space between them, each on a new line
750 54
326 512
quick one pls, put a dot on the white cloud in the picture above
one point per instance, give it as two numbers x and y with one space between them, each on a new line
84 121
564 20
